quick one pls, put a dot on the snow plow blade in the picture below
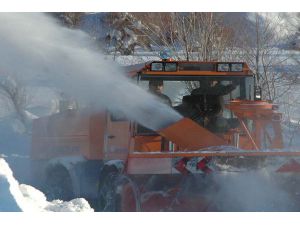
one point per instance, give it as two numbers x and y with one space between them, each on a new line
188 135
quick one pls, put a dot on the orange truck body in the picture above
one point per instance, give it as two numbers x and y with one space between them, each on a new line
96 137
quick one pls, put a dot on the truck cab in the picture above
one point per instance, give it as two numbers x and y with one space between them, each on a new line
182 79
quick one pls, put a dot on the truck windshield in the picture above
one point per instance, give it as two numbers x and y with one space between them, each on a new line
176 89
206 95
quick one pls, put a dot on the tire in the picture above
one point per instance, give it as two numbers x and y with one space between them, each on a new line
58 184
118 193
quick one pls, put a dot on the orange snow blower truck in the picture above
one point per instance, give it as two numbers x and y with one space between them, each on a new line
119 165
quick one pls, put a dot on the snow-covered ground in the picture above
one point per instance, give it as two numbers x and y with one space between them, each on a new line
21 197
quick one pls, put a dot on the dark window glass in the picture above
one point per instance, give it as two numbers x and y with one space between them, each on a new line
196 67
170 67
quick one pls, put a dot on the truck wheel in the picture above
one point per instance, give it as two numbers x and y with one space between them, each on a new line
118 193
58 184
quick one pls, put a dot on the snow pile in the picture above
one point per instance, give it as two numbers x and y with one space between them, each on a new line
20 197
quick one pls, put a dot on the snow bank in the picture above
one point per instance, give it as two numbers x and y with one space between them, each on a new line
20 197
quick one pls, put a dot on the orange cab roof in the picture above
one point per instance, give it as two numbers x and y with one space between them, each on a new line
192 68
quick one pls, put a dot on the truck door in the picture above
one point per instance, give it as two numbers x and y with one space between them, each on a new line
117 136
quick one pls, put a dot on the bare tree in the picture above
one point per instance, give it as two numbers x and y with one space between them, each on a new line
292 22
69 19
12 90
191 36
270 63
125 33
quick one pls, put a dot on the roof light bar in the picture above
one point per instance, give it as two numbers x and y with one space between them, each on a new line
157 66
230 67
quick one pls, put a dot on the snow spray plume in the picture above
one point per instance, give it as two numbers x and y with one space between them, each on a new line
37 49
255 191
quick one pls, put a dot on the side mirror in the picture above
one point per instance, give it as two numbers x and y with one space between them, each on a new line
257 93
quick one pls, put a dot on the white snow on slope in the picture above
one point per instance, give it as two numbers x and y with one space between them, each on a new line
15 197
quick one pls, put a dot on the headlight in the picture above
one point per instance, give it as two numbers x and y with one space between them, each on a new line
230 67
156 66
223 67
237 67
